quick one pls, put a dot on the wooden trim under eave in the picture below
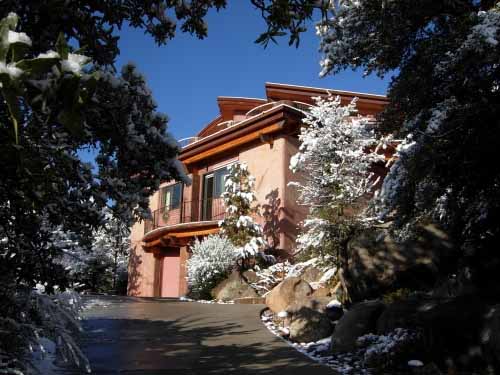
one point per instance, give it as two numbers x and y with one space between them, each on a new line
234 143
160 241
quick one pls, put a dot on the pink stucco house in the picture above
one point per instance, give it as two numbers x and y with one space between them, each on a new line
260 132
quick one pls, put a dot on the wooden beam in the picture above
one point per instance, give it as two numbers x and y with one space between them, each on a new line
234 143
194 233
169 239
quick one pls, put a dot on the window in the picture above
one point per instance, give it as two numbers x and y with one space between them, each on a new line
213 187
213 183
171 196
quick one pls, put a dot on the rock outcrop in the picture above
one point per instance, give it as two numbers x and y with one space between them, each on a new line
286 293
360 320
307 325
377 263
232 288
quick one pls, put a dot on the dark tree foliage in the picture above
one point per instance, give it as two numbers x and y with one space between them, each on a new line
44 178
291 17
57 106
94 24
444 95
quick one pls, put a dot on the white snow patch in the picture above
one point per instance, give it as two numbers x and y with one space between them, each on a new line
415 363
14 37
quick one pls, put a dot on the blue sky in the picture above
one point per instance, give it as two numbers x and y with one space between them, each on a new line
188 74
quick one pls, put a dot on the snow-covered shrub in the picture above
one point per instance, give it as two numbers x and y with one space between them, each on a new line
36 322
334 162
271 276
386 353
103 266
211 260
268 278
238 224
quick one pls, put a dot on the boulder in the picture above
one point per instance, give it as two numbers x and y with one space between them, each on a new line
325 305
311 274
286 293
250 276
490 337
232 288
308 325
334 310
360 320
377 263
402 314
429 369
452 330
314 303
322 292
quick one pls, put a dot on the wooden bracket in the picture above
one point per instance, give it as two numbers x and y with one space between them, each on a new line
267 138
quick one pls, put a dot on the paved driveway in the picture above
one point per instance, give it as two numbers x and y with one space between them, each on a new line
158 336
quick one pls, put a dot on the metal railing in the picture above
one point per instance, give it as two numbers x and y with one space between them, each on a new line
186 212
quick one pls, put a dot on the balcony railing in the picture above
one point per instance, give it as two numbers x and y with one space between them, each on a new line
186 212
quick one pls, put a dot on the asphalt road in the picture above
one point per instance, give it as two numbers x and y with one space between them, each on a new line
126 335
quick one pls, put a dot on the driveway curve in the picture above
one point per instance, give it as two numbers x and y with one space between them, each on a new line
127 335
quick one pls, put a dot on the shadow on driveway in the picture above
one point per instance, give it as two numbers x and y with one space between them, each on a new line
146 336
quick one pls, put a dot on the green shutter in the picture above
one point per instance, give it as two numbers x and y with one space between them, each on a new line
220 179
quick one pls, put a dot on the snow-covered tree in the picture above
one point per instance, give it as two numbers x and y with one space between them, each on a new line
102 266
334 160
238 224
443 102
443 105
211 260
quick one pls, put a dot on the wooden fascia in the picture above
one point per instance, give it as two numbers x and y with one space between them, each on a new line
257 134
267 123
177 239
367 103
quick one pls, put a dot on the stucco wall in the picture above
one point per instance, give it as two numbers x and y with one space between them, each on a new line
268 163
141 264
294 213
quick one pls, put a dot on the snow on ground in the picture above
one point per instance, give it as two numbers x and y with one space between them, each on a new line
319 351
186 299
95 302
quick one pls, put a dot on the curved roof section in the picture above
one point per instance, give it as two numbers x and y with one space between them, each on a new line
234 110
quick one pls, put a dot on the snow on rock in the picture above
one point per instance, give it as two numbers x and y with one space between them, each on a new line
10 69
334 303
328 275
48 55
319 351
371 347
269 277
415 363
14 37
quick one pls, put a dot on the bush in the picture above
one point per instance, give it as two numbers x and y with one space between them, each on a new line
389 354
211 261
31 323
396 295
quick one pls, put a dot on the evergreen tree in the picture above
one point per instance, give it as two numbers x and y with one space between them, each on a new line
57 103
443 103
238 225
102 266
334 163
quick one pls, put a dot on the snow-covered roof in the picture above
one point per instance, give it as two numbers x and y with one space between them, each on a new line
350 93
243 122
